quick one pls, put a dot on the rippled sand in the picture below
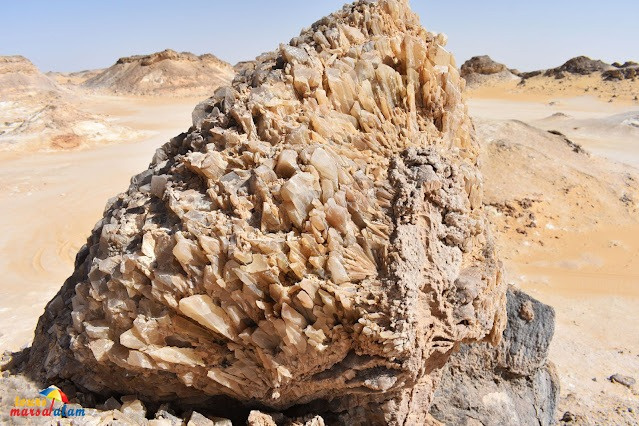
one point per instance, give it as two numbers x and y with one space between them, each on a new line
50 201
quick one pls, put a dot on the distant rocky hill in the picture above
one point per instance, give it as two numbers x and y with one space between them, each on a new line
481 65
164 73
580 65
73 78
39 114
19 77
482 70
576 77
629 70
584 66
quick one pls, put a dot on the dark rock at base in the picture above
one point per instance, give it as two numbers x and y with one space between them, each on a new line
529 74
622 380
511 384
568 417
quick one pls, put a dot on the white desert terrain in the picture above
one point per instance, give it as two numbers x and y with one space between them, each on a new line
64 193
565 208
567 218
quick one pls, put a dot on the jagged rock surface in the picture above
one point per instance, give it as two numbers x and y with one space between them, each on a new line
316 241
511 384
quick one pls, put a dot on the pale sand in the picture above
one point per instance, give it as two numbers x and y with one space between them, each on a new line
50 201
584 120
591 278
583 256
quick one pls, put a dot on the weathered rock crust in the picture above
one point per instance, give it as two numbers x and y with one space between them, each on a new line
317 239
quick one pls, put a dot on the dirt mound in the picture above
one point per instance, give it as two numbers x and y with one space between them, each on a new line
20 78
567 227
164 73
554 179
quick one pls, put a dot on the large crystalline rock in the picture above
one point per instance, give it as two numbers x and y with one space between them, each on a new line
316 239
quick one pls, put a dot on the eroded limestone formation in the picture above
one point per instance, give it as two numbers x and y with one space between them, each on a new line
316 239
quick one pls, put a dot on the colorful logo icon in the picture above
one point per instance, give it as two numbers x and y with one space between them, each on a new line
55 394
41 407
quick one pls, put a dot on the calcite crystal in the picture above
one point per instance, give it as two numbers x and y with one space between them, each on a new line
317 239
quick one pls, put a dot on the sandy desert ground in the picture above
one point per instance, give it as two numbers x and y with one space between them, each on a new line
51 200
581 254
569 237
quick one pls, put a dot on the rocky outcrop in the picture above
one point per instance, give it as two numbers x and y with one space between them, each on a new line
511 384
482 70
625 64
315 243
481 65
629 72
580 65
583 65
166 73
169 54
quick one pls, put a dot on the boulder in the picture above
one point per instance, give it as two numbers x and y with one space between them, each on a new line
315 243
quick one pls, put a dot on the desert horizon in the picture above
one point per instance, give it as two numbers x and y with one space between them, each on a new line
353 228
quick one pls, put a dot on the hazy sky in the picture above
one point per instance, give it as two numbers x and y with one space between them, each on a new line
75 35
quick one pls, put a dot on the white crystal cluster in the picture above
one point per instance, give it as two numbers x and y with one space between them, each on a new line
318 234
